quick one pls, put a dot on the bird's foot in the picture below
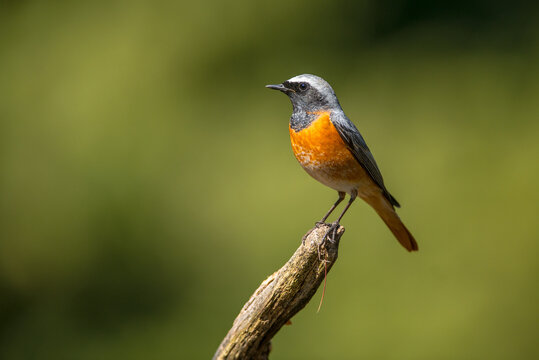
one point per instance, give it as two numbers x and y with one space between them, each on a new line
329 236
331 232
316 226
305 236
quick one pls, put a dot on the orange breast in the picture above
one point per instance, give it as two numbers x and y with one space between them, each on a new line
323 154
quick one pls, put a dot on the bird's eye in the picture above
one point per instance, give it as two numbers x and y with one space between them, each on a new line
303 86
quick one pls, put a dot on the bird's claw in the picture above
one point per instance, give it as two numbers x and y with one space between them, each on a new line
305 237
331 233
316 226
328 236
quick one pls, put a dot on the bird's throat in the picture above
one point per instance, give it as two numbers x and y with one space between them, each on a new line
303 119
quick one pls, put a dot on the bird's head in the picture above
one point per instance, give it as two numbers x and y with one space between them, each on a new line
308 93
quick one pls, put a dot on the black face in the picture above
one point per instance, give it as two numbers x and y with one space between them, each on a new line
298 87
309 94
305 97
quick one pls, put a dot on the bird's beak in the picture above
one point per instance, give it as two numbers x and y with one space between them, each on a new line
279 87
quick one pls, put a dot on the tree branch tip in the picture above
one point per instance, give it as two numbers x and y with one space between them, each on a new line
280 296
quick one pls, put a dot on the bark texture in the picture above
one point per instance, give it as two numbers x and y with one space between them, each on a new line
280 297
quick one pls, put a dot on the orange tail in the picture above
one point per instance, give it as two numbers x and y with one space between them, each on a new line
386 211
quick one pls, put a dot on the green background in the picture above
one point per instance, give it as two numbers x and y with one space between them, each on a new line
147 184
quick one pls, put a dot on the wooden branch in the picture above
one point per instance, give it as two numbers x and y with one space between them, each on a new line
279 297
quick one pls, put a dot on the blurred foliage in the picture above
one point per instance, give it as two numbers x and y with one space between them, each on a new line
147 184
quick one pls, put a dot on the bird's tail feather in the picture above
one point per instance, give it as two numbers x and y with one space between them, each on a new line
386 211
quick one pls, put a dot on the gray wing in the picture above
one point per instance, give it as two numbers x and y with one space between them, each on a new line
359 149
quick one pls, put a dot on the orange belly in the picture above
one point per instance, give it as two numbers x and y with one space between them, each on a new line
323 154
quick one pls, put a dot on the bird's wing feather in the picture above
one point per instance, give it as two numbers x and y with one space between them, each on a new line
359 149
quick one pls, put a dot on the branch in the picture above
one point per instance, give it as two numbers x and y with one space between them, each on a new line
279 297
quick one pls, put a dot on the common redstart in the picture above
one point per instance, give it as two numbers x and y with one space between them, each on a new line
331 149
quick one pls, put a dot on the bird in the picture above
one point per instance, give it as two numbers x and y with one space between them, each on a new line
331 149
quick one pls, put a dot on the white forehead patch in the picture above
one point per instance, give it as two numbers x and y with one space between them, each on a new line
315 81
303 77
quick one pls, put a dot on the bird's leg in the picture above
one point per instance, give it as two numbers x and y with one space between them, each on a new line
335 225
352 198
341 198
